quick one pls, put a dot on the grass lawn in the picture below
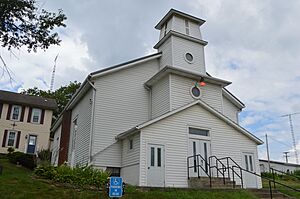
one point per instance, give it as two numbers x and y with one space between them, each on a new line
18 182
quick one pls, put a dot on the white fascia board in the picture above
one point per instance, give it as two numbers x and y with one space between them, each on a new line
184 73
121 67
233 99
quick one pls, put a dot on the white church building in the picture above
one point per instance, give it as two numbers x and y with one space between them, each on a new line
143 119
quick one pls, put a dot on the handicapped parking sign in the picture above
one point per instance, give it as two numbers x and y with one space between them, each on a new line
115 187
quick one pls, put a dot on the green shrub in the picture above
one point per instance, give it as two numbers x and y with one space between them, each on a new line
44 155
79 176
26 160
10 150
296 173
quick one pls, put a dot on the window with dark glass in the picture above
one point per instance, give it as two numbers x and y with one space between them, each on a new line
194 153
201 132
159 157
195 92
11 139
250 163
36 115
16 112
152 156
189 57
246 162
130 144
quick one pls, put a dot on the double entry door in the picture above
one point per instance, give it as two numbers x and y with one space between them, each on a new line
202 147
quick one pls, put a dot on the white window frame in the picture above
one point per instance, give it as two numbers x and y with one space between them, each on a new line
12 112
40 115
15 139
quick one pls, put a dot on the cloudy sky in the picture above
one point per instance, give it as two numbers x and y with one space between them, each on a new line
255 44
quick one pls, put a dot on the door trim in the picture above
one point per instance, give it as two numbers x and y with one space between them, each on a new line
36 143
164 160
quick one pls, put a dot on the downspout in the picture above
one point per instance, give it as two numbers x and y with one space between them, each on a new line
149 101
92 121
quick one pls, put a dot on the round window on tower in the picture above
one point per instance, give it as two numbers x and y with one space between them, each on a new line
195 92
189 57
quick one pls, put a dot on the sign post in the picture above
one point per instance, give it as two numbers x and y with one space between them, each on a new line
115 187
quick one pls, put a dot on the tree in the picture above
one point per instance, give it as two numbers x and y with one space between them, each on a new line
61 95
23 24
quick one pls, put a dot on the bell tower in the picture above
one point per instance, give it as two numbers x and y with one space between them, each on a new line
180 41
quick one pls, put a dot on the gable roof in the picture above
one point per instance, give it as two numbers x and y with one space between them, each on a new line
87 84
186 73
178 13
22 99
203 105
125 64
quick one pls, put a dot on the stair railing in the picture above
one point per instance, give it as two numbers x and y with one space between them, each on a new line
221 170
197 165
270 181
273 171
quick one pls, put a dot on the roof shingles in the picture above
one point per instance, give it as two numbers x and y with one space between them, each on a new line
22 99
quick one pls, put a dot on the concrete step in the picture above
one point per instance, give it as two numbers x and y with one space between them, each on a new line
204 182
265 193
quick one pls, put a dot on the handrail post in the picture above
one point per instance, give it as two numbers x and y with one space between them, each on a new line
233 177
188 168
217 168
270 186
228 167
198 166
209 159
242 180
273 175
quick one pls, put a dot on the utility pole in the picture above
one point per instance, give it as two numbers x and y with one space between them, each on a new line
292 132
286 156
268 154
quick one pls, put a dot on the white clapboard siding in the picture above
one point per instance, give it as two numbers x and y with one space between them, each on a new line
161 97
195 30
180 93
130 174
166 49
82 111
181 47
131 156
122 102
55 146
131 160
230 110
173 133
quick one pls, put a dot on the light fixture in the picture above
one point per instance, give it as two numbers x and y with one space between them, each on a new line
202 83
26 136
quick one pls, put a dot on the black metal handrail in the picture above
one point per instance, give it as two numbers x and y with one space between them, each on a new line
270 181
221 170
197 165
282 172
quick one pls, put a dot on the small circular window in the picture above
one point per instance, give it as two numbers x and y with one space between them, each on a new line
195 92
189 57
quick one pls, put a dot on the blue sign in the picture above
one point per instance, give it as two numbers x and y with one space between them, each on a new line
115 187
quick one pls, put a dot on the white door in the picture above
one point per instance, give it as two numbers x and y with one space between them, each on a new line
202 147
156 166
250 180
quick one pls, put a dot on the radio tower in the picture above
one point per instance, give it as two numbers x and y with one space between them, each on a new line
292 132
53 73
